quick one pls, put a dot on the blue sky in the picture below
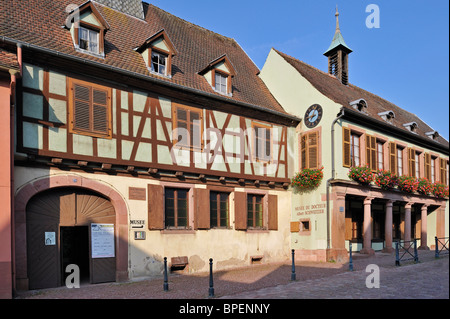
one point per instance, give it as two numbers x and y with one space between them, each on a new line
405 61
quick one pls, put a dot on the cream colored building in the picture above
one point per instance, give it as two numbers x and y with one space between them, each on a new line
345 126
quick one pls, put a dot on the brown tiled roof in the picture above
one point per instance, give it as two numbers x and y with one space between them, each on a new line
331 87
40 23
8 60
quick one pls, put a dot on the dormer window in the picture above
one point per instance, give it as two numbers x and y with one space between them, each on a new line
157 52
219 74
88 40
433 135
359 105
159 62
88 28
412 127
221 85
388 116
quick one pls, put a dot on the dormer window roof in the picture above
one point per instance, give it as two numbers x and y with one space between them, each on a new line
433 135
359 105
388 116
219 74
412 126
158 52
88 29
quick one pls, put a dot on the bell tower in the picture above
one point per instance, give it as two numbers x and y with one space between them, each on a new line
337 55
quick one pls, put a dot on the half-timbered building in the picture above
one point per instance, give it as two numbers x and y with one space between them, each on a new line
138 136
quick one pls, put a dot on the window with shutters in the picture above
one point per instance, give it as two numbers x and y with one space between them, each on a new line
90 109
412 162
351 148
310 150
433 169
393 157
427 166
176 208
262 142
188 127
255 211
399 161
219 209
380 155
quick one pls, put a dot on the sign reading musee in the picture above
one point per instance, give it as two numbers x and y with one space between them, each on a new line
102 239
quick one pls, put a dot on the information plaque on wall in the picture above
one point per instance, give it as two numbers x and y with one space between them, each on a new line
102 240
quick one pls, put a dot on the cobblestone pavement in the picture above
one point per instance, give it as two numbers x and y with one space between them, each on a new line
428 279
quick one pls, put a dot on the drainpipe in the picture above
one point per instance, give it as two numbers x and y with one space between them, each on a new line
15 76
333 173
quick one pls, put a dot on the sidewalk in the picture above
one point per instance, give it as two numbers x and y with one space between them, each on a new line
319 280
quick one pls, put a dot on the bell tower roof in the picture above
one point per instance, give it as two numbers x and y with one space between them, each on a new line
338 40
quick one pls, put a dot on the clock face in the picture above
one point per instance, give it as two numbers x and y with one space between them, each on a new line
313 116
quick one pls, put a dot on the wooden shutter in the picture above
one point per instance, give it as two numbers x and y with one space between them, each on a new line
202 209
313 150
412 162
81 107
393 157
155 207
346 147
303 151
443 171
428 166
89 109
273 212
240 211
371 152
100 117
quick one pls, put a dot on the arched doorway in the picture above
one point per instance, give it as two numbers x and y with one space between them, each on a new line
59 233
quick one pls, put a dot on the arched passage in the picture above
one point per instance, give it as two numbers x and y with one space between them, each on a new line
83 201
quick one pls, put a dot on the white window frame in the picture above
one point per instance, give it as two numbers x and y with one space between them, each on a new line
221 86
161 56
88 40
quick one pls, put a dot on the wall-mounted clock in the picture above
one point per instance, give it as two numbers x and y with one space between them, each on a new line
313 116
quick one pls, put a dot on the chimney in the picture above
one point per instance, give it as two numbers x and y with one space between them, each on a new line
131 7
337 55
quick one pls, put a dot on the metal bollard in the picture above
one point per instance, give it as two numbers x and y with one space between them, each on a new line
416 255
211 282
350 263
293 275
436 249
397 257
166 283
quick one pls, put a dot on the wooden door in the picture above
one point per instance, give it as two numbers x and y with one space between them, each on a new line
64 207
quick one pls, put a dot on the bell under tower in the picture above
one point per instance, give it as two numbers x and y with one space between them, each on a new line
337 55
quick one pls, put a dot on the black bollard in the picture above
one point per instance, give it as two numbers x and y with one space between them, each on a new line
166 283
397 258
350 264
211 282
436 249
293 275
416 254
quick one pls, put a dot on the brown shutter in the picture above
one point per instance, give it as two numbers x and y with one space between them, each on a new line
412 162
273 212
100 111
371 152
443 171
393 157
82 98
346 147
313 150
155 207
240 211
428 166
303 151
202 209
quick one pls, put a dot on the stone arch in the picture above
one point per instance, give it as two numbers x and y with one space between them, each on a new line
32 188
